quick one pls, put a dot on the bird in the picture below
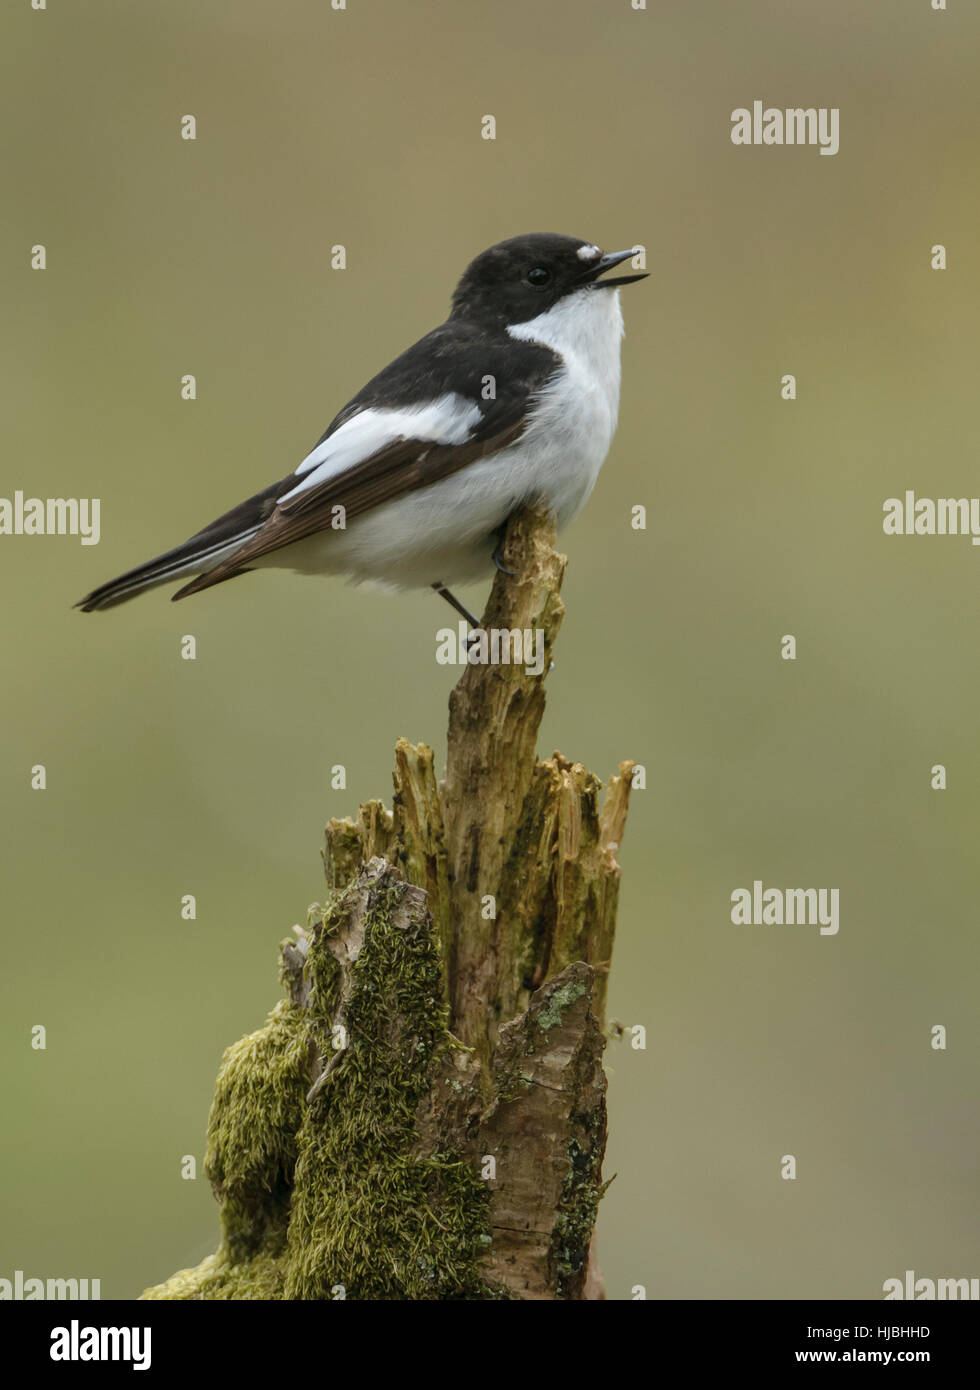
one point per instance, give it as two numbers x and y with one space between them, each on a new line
513 399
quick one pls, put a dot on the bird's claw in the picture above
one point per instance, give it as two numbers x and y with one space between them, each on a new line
498 560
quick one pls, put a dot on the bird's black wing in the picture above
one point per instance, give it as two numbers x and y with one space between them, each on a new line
477 390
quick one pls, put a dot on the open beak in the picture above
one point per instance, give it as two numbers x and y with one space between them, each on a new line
607 262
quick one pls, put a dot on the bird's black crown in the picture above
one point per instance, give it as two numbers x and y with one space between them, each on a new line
520 278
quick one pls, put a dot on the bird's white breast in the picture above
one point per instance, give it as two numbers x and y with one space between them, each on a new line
564 448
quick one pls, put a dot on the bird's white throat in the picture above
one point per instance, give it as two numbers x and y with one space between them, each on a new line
586 327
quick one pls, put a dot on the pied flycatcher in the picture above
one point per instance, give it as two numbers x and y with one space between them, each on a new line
513 399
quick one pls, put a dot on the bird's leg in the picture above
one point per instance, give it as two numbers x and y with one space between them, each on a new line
498 554
454 602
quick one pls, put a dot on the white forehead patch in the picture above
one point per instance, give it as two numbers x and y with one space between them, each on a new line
588 253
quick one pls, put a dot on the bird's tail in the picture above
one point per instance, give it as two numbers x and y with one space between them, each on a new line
193 557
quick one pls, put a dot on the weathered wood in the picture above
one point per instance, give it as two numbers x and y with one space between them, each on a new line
450 1144
494 716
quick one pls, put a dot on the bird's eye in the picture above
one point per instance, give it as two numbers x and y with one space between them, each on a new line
538 276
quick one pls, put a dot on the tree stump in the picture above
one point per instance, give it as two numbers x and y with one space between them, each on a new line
423 1115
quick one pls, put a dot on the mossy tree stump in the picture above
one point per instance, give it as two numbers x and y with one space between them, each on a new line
423 1116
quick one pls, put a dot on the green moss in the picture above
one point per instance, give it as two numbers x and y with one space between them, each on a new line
370 1212
334 1197
255 1115
219 1278
251 1154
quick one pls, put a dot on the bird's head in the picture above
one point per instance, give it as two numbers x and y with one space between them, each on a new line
525 276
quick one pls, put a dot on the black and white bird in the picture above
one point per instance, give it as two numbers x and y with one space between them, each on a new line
514 398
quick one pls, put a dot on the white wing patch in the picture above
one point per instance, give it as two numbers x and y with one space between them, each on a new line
447 420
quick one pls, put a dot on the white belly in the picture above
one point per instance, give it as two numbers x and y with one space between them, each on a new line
445 533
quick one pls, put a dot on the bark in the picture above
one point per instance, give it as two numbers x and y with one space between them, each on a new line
424 1115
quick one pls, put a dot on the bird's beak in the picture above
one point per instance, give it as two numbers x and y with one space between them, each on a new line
607 262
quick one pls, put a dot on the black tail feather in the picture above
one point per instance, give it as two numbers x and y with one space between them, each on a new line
190 558
202 552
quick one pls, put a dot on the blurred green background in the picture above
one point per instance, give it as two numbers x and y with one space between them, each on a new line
168 777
